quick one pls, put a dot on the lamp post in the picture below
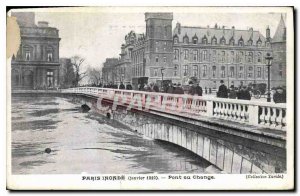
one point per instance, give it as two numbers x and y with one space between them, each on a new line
269 59
162 76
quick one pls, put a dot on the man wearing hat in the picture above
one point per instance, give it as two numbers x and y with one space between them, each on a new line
222 92
279 96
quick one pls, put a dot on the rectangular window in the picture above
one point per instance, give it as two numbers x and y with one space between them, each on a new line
195 70
204 55
50 78
175 70
165 59
176 54
156 59
204 71
185 70
195 52
223 57
222 72
50 57
259 72
280 71
214 69
231 72
27 55
186 54
155 72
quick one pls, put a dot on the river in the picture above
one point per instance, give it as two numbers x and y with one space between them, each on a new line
86 143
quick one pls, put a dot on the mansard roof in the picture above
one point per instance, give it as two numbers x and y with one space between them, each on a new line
218 33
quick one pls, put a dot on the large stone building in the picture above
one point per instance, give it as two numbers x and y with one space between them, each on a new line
206 54
36 64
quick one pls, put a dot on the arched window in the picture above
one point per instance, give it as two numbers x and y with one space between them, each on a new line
240 56
258 43
28 53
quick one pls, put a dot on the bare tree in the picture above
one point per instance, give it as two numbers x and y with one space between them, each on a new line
94 75
78 63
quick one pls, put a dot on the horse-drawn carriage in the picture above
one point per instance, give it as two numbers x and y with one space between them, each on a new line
257 90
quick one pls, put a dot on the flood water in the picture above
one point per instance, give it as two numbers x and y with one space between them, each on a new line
86 143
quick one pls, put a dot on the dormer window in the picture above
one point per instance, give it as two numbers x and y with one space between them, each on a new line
214 40
186 39
175 39
259 42
231 41
250 42
241 42
204 40
222 41
195 39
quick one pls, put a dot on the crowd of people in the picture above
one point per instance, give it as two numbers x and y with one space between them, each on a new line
242 92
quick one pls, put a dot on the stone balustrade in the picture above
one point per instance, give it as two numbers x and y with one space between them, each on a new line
260 114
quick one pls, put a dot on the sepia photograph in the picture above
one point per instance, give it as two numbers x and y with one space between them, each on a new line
150 98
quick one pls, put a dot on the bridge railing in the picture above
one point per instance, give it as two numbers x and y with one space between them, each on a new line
260 114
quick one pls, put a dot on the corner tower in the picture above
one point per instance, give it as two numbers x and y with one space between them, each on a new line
159 46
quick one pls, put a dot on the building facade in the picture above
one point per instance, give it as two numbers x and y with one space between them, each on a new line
206 54
36 64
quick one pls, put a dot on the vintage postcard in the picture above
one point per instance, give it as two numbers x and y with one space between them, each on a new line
150 98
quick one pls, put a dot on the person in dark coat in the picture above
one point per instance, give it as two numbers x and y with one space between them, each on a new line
232 93
279 96
128 87
222 92
178 89
198 90
155 88
170 88
121 86
191 89
244 94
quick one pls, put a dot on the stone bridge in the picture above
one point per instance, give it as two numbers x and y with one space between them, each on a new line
236 136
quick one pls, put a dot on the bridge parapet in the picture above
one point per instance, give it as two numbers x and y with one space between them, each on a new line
259 114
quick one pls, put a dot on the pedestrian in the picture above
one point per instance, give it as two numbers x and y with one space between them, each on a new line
128 87
178 89
279 96
244 93
155 88
198 90
191 89
232 93
121 86
170 88
222 92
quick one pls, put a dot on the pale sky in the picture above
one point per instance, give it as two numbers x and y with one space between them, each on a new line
97 35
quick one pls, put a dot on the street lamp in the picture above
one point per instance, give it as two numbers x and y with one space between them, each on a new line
162 76
269 59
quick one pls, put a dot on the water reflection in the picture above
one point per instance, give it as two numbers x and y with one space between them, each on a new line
86 142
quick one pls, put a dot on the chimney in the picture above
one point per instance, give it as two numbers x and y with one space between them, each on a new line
251 31
42 24
178 26
233 31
